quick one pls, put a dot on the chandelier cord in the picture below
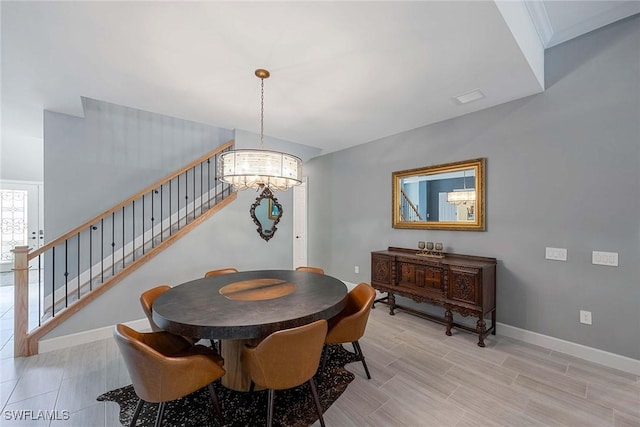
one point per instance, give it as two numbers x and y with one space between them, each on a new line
261 113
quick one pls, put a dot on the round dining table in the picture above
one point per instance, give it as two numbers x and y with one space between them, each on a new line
245 307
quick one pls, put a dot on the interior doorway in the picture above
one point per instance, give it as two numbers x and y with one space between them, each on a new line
300 224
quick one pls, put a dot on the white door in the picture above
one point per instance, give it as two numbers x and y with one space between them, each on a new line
21 219
300 224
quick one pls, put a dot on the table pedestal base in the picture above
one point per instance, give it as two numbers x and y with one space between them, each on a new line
235 377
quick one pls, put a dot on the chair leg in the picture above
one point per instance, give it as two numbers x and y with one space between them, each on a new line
160 414
325 353
270 407
215 403
314 392
136 413
356 347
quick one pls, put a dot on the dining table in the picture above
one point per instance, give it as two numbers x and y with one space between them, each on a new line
245 307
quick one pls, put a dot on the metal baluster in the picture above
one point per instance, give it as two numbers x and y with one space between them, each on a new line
93 227
53 281
194 191
123 262
113 244
39 291
66 272
161 213
170 211
133 222
186 197
153 243
102 250
209 183
201 188
178 213
78 271
143 225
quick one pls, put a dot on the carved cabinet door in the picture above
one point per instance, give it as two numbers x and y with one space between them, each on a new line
465 285
381 269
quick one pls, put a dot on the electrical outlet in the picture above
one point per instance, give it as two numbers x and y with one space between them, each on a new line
356 269
585 317
605 258
556 254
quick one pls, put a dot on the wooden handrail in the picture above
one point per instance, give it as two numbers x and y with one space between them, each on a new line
413 207
127 201
27 343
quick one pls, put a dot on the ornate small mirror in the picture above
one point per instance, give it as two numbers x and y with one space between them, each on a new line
266 213
446 197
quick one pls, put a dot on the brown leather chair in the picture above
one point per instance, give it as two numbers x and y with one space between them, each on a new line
146 300
311 269
286 359
350 323
220 271
165 367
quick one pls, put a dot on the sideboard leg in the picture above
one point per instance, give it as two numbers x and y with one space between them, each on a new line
392 303
448 317
481 328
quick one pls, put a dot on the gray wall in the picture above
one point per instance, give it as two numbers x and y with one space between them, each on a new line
94 162
562 171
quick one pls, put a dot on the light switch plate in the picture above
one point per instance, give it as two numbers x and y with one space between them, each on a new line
557 254
604 258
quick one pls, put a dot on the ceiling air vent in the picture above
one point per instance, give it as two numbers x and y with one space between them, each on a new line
468 97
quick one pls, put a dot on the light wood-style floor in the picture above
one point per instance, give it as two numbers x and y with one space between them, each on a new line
421 377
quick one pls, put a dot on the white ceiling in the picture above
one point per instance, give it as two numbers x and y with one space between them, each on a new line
343 73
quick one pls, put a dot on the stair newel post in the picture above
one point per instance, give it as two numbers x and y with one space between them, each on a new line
21 300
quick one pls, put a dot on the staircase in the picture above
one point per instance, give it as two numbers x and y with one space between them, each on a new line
82 264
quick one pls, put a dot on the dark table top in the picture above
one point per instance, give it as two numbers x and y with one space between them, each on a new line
248 304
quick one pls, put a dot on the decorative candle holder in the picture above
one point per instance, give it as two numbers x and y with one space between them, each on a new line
439 249
429 248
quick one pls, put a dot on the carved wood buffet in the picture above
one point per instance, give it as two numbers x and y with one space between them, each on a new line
464 284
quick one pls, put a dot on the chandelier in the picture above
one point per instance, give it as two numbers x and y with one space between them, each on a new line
462 195
258 168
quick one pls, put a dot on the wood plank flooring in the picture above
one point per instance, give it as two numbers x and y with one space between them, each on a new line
421 377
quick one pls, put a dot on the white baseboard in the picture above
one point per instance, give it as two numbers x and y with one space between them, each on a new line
85 337
591 354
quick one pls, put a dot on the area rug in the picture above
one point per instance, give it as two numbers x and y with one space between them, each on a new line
293 407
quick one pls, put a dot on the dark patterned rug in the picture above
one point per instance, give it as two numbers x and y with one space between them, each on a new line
293 407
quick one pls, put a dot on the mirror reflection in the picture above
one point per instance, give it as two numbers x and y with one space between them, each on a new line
448 196
266 213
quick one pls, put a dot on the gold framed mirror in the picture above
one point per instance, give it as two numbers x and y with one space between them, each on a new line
266 213
450 196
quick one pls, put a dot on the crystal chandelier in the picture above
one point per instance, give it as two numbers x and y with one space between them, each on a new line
258 168
462 195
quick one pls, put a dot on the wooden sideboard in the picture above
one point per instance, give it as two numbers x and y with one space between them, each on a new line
464 284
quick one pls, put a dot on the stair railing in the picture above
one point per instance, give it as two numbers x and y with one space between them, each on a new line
408 211
78 266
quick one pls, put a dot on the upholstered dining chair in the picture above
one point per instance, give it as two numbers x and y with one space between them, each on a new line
165 367
220 271
146 300
286 359
310 269
349 325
